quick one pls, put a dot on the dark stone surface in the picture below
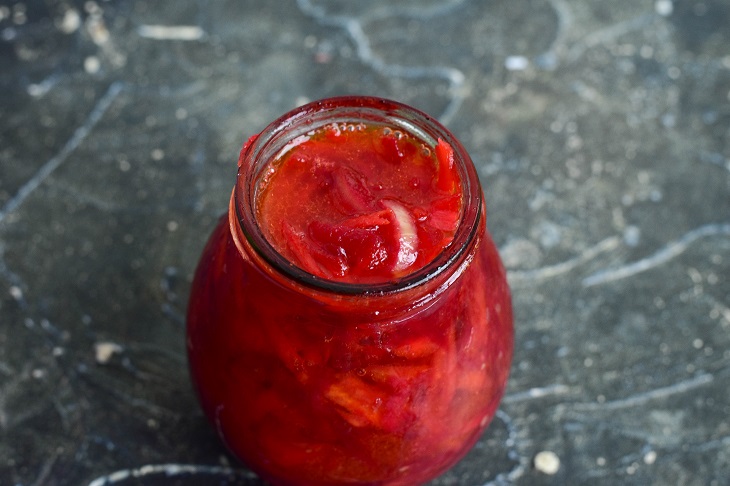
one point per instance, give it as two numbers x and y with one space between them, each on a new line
601 131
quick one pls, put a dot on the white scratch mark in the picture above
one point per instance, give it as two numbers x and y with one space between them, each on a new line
51 165
651 395
549 57
665 254
354 29
423 12
518 471
721 443
516 63
168 470
608 34
715 158
171 32
45 472
534 393
542 273
38 90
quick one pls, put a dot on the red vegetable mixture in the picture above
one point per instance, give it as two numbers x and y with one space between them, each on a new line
315 388
359 203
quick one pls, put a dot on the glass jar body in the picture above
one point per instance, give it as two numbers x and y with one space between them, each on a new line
315 382
310 390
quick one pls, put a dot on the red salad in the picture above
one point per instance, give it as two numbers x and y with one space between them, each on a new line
312 385
371 203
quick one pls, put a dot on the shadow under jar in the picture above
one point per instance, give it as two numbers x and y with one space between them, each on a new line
359 334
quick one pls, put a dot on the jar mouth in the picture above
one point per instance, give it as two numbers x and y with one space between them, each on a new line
286 129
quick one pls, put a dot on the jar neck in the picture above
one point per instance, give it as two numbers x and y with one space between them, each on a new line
372 305
257 155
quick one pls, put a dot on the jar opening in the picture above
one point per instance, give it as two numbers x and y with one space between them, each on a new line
293 127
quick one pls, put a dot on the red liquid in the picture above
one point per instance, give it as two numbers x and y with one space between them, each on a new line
313 387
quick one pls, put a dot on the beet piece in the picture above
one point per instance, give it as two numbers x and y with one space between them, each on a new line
350 193
358 402
446 177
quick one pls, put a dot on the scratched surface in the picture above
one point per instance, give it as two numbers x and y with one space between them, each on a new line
601 131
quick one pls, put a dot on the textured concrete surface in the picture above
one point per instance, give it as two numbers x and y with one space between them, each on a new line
601 131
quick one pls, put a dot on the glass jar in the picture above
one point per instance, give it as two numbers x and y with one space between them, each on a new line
315 382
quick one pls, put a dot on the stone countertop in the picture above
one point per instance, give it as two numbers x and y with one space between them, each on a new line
601 131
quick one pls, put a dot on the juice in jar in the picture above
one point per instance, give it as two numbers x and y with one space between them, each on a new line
350 320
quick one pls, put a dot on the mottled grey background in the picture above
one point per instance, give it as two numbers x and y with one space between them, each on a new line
601 131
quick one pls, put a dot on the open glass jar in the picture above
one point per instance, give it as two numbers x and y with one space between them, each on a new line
311 380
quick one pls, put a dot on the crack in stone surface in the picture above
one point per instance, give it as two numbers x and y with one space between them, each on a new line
170 471
661 256
55 162
642 398
359 36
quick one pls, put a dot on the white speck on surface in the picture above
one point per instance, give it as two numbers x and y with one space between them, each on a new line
19 16
520 253
37 90
70 22
650 457
16 292
104 351
171 32
516 63
310 41
664 7
669 120
550 234
92 64
92 8
9 34
547 462
97 30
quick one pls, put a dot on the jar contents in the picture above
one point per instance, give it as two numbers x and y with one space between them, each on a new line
350 321
372 203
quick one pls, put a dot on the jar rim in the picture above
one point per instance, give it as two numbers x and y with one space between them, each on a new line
255 156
